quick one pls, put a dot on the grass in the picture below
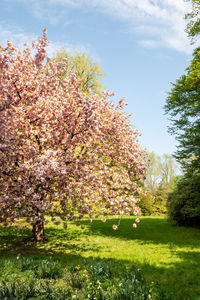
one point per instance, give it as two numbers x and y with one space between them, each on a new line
164 253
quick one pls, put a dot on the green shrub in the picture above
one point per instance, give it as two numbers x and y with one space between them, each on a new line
184 202
152 205
146 205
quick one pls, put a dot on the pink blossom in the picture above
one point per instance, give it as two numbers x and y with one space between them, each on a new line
62 151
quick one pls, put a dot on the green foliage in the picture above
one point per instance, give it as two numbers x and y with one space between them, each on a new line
164 254
45 269
86 69
153 205
193 26
183 105
16 290
161 171
153 175
30 290
131 286
146 205
102 281
159 182
184 201
48 269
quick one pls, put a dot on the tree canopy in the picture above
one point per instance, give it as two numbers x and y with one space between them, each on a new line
160 177
62 151
161 171
85 68
183 203
193 26
183 105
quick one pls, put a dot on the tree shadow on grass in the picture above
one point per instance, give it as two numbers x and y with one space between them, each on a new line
174 279
180 278
11 239
75 241
58 240
149 230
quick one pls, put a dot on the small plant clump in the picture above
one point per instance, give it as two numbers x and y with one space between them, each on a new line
47 279
45 269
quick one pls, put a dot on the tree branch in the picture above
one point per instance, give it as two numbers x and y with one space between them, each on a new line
17 91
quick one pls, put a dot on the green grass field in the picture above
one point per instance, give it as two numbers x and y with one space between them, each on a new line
164 253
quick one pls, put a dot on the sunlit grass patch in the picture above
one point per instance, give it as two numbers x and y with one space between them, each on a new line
165 254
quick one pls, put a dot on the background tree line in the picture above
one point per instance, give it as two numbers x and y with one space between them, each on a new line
161 175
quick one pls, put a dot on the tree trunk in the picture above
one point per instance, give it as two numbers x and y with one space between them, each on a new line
38 231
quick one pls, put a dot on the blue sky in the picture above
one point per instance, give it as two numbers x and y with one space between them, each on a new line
140 44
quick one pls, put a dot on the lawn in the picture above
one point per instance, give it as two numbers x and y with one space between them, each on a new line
164 253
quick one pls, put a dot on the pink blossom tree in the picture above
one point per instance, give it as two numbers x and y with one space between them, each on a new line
61 151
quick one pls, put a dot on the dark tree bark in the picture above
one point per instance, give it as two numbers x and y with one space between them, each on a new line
38 231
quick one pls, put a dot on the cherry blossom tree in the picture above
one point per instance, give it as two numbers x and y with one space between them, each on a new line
62 151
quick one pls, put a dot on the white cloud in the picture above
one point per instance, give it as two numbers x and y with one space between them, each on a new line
149 43
161 21
158 20
56 46
18 38
11 33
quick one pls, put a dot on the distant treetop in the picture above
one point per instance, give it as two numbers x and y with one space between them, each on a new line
85 67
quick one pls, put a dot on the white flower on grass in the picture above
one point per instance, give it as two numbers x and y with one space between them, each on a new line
115 227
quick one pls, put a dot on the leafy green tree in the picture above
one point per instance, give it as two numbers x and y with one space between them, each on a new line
193 26
168 170
86 69
183 105
153 173
183 203
159 182
161 172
